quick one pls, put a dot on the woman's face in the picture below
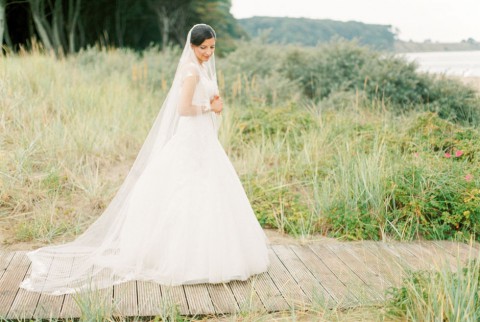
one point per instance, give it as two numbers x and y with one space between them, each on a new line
205 50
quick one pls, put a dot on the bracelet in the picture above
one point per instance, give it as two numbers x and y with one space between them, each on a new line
206 108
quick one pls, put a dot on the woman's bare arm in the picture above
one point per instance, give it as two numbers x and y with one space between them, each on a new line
185 106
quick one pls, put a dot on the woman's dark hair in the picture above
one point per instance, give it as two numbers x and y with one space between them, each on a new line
200 33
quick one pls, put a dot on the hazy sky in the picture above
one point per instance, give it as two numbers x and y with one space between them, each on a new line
438 20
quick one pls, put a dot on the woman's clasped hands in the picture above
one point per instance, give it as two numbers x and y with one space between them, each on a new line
216 104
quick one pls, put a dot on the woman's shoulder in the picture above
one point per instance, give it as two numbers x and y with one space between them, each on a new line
189 68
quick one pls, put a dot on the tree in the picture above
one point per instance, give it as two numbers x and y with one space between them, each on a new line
3 23
41 23
217 14
172 19
73 15
64 26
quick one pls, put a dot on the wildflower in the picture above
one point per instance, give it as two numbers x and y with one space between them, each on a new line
447 155
458 153
468 177
416 155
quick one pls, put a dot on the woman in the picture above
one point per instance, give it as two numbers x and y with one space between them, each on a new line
181 216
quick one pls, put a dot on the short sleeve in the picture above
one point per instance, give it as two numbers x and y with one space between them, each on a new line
189 70
189 93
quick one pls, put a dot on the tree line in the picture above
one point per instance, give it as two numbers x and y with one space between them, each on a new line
65 26
311 32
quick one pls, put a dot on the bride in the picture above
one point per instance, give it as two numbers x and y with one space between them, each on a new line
181 216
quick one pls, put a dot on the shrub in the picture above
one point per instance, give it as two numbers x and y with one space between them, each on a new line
454 101
345 66
394 80
328 68
434 202
428 133
434 193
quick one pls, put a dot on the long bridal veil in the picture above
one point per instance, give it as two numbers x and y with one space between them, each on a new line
83 263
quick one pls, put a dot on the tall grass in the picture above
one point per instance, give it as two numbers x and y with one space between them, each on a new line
347 164
347 172
63 124
441 295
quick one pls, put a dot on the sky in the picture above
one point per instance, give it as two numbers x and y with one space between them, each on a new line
417 20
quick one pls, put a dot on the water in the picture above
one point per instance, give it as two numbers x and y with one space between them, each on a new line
458 63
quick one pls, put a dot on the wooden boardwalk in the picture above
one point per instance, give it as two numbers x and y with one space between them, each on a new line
330 274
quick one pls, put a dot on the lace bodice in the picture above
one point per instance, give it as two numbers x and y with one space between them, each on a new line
197 89
205 90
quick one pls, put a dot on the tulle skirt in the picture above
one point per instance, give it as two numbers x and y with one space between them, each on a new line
188 221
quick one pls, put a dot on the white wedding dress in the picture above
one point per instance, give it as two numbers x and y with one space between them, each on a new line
195 221
180 217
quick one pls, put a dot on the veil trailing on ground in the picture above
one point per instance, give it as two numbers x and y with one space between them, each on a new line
84 263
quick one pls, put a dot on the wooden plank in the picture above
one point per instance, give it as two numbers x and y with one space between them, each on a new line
337 290
5 259
439 258
149 298
91 302
311 287
354 283
423 255
472 250
385 262
389 251
376 270
375 287
420 259
125 299
286 284
198 299
50 306
475 245
268 292
24 304
246 296
174 298
406 259
70 308
436 250
10 280
459 250
222 297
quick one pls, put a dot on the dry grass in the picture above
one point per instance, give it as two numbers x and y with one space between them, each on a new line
70 129
471 81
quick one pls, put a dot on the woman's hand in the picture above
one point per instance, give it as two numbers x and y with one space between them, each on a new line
217 104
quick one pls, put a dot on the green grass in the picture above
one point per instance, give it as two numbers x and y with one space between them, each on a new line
67 138
347 165
348 173
442 295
